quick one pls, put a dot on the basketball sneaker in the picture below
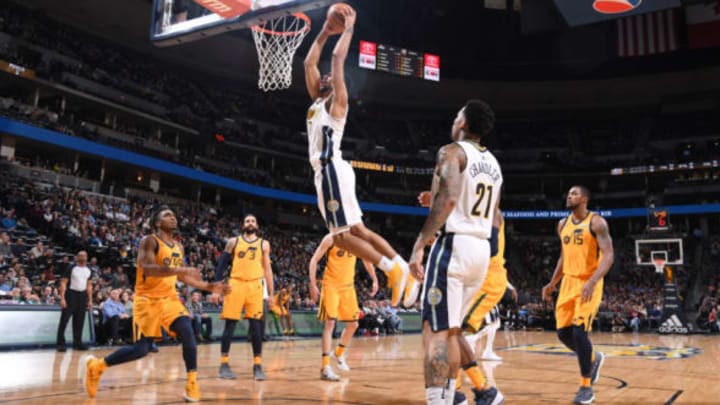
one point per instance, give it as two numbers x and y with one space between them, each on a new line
94 368
258 373
412 290
490 355
192 391
226 372
460 398
472 340
490 396
397 279
597 365
584 396
328 374
341 361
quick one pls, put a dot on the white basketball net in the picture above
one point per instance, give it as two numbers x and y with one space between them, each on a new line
276 42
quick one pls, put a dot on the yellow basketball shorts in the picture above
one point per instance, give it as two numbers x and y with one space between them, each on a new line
569 310
489 295
339 303
246 295
152 314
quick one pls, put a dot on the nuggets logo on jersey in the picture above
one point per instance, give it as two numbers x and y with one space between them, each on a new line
625 351
435 296
615 6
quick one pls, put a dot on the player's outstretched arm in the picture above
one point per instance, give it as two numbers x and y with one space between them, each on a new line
312 72
602 233
371 271
340 94
225 259
267 268
320 251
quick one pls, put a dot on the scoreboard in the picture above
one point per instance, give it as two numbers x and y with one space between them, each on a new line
399 61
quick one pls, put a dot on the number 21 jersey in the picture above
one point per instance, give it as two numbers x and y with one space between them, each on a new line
479 191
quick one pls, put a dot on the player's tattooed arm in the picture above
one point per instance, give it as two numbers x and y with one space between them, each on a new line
437 365
448 172
446 189
602 233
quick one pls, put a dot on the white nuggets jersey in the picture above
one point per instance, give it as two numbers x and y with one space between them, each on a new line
324 134
479 192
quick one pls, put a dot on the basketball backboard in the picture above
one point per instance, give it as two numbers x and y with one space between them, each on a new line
175 22
648 252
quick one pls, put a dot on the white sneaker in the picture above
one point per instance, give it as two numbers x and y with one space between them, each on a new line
328 374
491 356
341 361
472 340
412 290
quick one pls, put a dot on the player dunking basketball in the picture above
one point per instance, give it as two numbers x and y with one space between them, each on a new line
160 264
465 196
338 301
586 257
334 177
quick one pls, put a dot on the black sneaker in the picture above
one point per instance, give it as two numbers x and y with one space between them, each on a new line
258 373
61 348
584 396
226 372
81 347
490 396
597 365
460 398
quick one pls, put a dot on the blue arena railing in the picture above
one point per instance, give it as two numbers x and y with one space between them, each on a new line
28 131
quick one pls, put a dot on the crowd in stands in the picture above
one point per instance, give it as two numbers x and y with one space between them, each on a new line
44 226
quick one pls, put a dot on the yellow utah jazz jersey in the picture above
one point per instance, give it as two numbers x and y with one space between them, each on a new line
160 287
340 267
580 250
247 260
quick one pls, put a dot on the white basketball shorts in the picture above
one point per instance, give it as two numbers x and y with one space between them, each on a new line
338 204
454 272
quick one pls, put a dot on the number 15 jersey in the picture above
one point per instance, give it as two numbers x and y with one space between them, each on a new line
479 192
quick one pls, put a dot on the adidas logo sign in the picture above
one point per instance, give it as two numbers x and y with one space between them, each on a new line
673 325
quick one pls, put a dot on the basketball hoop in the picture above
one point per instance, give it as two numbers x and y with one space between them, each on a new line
276 42
659 264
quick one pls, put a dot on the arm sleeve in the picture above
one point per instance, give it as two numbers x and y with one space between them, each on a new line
222 265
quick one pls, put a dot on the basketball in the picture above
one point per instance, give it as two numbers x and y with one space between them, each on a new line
336 17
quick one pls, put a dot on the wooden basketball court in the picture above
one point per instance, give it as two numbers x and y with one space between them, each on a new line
640 369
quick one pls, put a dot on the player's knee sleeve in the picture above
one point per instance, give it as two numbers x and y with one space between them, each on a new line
184 330
566 337
227 336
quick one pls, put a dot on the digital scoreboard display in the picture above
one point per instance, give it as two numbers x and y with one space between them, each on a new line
399 61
